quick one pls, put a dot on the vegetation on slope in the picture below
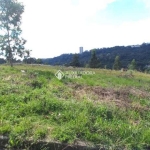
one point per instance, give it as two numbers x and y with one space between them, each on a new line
109 109
107 56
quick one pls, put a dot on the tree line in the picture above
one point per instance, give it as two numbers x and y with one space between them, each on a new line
106 57
94 62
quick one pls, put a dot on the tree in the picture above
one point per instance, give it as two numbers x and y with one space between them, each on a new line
75 61
11 43
30 60
94 62
39 61
117 63
2 61
132 65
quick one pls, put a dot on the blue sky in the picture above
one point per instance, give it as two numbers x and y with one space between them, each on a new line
54 27
126 10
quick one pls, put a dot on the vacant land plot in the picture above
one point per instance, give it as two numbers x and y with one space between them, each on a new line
106 109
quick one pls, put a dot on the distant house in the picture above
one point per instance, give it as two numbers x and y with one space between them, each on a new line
135 45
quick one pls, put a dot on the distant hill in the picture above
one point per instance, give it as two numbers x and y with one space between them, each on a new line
141 53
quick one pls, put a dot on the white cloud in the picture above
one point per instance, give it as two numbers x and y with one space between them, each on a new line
90 7
127 33
136 32
53 27
147 3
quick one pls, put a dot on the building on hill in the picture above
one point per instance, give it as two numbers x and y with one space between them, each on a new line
80 50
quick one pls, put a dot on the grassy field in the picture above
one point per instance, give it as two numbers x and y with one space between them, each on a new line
109 109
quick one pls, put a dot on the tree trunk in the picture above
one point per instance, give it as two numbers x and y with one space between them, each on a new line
10 52
11 63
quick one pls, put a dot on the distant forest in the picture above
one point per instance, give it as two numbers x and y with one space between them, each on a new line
106 57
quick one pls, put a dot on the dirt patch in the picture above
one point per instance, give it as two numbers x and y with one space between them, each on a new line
139 93
119 97
45 144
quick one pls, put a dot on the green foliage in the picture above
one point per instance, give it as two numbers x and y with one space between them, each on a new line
2 61
117 63
20 133
132 65
11 44
30 60
75 61
5 128
40 133
36 84
94 62
39 61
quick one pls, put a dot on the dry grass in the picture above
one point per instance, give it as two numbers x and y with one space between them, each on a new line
119 97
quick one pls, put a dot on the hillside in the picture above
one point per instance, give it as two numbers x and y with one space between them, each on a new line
140 53
103 109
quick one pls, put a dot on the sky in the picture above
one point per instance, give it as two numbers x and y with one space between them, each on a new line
55 27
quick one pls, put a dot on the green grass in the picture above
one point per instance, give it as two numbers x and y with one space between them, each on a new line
108 109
